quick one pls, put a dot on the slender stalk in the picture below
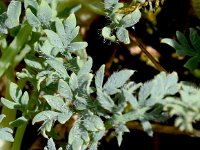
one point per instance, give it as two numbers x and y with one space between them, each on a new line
19 137
154 61
14 48
10 114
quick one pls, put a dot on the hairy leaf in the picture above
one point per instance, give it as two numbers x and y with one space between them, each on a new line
19 121
50 145
6 134
131 19
117 80
44 12
123 35
13 13
32 19
45 115
105 100
99 77
64 89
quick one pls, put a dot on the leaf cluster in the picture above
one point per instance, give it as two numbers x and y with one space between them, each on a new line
64 87
187 46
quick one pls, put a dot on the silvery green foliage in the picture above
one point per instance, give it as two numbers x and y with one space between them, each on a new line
5 133
186 107
117 31
187 46
63 85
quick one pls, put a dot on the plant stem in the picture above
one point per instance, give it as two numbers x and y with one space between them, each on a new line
10 114
14 48
19 137
153 60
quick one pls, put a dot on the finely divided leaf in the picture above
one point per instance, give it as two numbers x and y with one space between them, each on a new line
45 115
33 62
131 19
59 67
99 77
147 127
73 82
107 34
6 134
60 30
64 116
195 39
24 99
15 92
8 103
44 12
50 145
75 46
19 121
123 35
86 68
93 123
13 13
182 39
131 99
2 116
54 39
32 19
105 100
117 80
64 89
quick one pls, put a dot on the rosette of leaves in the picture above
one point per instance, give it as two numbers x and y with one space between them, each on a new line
117 31
189 47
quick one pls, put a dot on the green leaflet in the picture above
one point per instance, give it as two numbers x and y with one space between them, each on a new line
123 35
56 103
75 46
108 4
32 19
187 47
15 92
33 62
5 133
19 121
86 67
93 123
117 80
8 103
2 116
3 29
99 77
54 39
195 39
105 100
131 19
75 138
73 82
147 127
154 91
120 129
64 89
44 13
13 14
50 145
31 3
59 67
60 30
45 115
107 34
